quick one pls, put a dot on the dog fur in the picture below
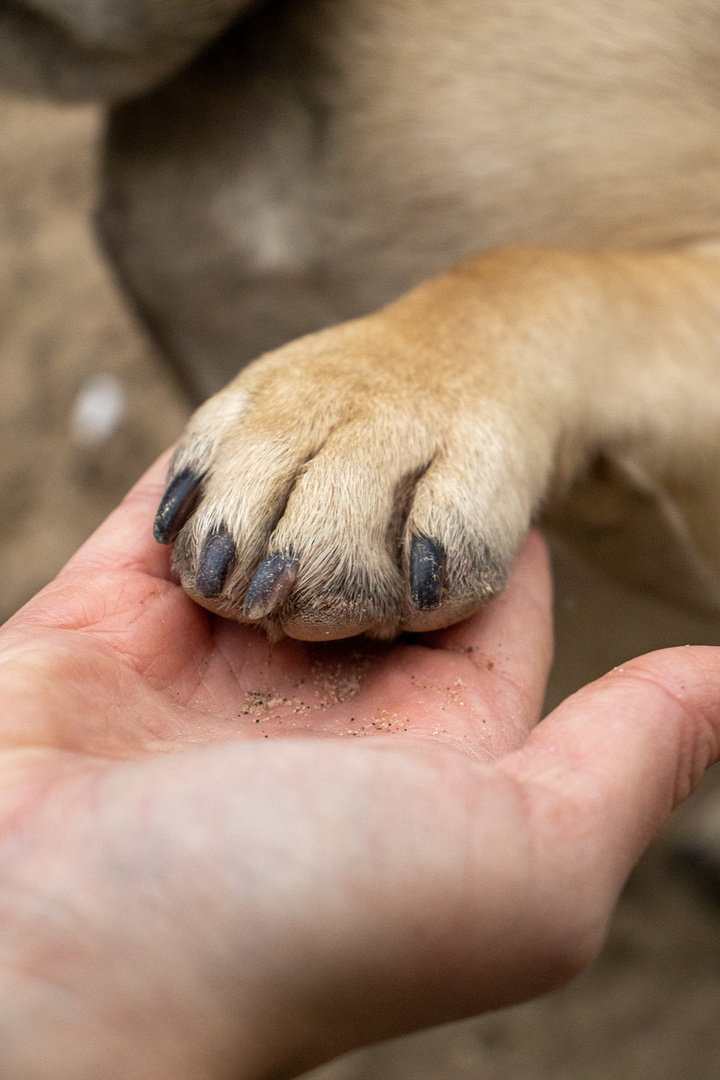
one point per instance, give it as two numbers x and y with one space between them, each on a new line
496 225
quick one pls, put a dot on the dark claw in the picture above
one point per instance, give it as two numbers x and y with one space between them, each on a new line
176 505
427 566
216 561
272 581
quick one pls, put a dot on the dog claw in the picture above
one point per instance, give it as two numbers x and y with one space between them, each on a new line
216 561
427 566
271 583
176 505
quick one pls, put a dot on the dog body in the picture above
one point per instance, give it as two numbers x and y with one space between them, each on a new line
544 179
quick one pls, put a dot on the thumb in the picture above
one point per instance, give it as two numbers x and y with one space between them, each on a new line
605 769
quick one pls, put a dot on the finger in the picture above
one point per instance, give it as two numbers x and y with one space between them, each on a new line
607 767
478 685
125 541
513 638
119 585
123 548
510 643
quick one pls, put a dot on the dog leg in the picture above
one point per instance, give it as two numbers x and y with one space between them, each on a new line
380 475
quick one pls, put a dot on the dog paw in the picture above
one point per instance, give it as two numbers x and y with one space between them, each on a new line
332 490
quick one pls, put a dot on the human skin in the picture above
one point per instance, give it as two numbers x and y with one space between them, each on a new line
206 872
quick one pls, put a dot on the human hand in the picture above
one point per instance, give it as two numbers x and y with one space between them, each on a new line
224 858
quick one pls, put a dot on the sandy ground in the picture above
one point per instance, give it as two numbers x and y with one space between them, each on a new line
61 323
648 1008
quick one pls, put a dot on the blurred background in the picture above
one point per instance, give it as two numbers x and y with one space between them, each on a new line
86 404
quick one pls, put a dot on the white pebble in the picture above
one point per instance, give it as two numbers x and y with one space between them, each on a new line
98 410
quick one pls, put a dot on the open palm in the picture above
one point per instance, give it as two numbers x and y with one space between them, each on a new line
224 858
115 638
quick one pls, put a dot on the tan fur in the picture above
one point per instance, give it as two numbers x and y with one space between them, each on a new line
494 385
327 156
